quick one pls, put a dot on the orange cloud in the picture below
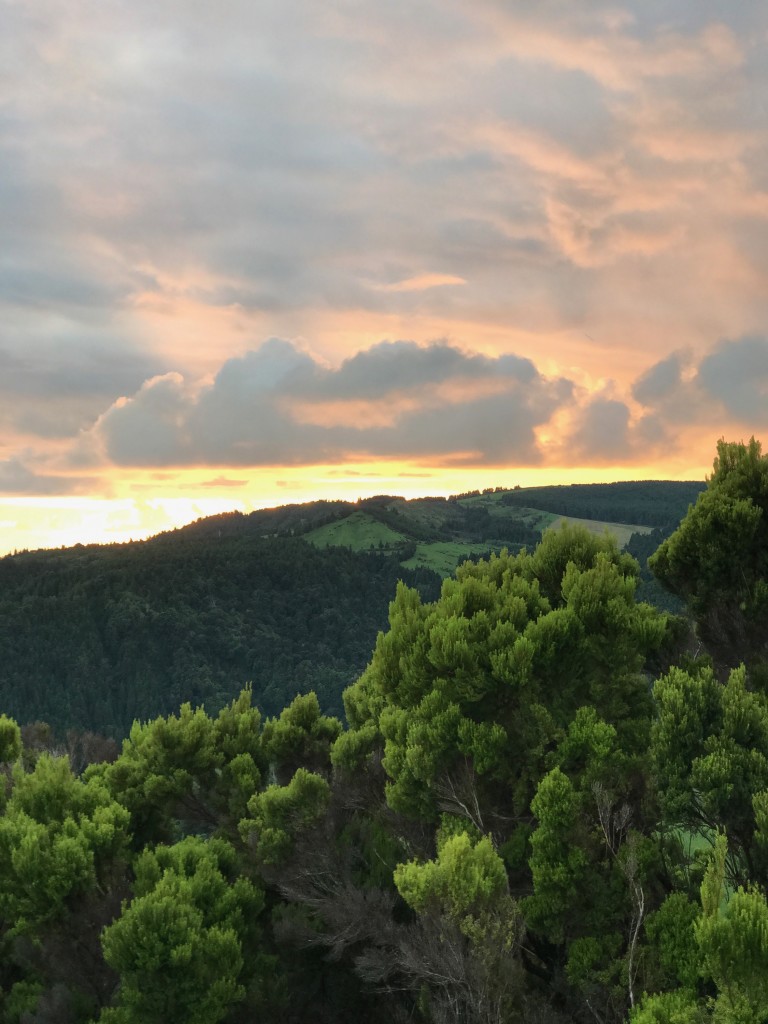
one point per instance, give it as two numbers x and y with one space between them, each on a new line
420 283
605 50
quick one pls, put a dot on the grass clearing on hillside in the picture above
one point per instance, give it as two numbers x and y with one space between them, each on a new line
363 531
620 531
443 556
359 531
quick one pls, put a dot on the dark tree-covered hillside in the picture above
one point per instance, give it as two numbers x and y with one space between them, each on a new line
658 503
97 636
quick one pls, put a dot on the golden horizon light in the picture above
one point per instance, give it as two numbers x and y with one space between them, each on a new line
258 259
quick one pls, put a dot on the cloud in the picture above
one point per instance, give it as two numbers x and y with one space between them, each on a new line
277 406
601 41
663 378
147 429
401 366
581 181
736 374
16 478
421 283
59 389
603 432
223 481
726 388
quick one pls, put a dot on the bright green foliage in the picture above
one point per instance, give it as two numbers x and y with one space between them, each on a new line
760 808
480 683
516 715
717 560
279 813
590 754
590 869
729 949
710 751
353 747
467 877
713 884
581 851
672 937
178 944
734 946
237 737
680 1007
463 901
59 839
572 546
733 940
301 736
595 961
188 767
559 862
10 740
689 711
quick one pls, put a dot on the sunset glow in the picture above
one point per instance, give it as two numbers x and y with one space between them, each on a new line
273 253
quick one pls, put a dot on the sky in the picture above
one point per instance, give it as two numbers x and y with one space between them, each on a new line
264 251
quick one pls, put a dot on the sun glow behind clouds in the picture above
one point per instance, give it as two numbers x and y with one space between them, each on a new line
63 522
585 191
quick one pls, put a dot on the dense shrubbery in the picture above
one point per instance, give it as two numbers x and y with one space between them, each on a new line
518 823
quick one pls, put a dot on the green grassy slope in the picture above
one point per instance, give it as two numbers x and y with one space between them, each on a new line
439 533
442 557
621 531
358 531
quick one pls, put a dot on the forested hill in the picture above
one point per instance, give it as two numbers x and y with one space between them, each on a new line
289 599
656 503
95 637
473 515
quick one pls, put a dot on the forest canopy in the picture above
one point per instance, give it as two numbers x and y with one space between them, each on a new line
548 803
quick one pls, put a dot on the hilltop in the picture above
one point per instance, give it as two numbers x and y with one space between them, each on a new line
289 599
446 530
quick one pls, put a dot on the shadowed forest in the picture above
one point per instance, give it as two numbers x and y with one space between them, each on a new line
546 799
